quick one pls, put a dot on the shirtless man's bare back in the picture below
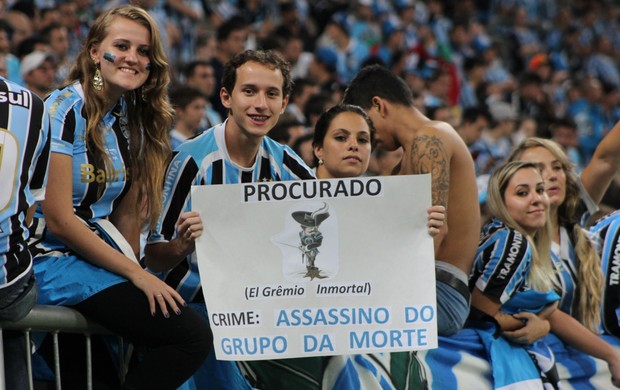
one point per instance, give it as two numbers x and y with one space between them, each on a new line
436 148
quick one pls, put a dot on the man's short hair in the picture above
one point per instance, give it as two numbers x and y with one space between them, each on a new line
270 58
300 84
377 80
182 96
46 33
471 114
316 104
190 68
234 23
565 122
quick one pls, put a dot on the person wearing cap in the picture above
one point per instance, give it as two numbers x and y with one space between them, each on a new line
540 64
38 70
311 238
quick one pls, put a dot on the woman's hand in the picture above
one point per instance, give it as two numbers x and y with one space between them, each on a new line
536 326
189 227
158 293
436 219
614 369
534 329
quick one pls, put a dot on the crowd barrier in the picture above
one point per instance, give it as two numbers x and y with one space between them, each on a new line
55 320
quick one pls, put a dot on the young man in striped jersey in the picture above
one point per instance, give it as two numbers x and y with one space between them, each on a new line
255 90
24 160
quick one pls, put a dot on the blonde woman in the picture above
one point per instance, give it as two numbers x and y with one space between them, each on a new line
109 149
576 262
513 295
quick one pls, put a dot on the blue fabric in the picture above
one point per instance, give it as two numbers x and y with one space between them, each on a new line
24 158
590 125
64 277
500 270
607 231
529 301
176 139
502 262
511 363
495 361
452 309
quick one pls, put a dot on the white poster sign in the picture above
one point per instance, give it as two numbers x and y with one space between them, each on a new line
317 267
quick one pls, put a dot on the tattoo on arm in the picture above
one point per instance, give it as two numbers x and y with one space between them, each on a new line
429 155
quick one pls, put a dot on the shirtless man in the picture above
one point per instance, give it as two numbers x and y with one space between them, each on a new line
429 147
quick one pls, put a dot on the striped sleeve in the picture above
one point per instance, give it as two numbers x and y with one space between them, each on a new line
42 156
607 231
181 174
293 167
502 264
63 121
24 159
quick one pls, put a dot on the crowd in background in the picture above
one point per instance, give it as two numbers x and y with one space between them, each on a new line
497 70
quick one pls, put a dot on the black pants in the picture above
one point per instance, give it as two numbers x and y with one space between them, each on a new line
16 301
171 349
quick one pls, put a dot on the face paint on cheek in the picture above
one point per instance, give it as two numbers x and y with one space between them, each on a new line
109 57
148 66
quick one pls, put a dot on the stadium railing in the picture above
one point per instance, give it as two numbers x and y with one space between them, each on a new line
55 320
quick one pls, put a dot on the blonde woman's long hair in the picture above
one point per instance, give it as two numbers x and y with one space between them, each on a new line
541 271
590 276
148 110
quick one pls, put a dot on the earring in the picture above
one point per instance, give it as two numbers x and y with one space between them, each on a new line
143 94
97 79
320 162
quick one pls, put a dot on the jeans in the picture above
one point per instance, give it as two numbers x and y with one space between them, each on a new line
15 303
452 306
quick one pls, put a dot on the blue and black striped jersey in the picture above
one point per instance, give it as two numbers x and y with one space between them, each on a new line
204 160
607 236
96 189
502 262
24 160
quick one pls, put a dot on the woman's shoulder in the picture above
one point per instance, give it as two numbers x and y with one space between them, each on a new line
497 231
495 227
606 220
64 97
